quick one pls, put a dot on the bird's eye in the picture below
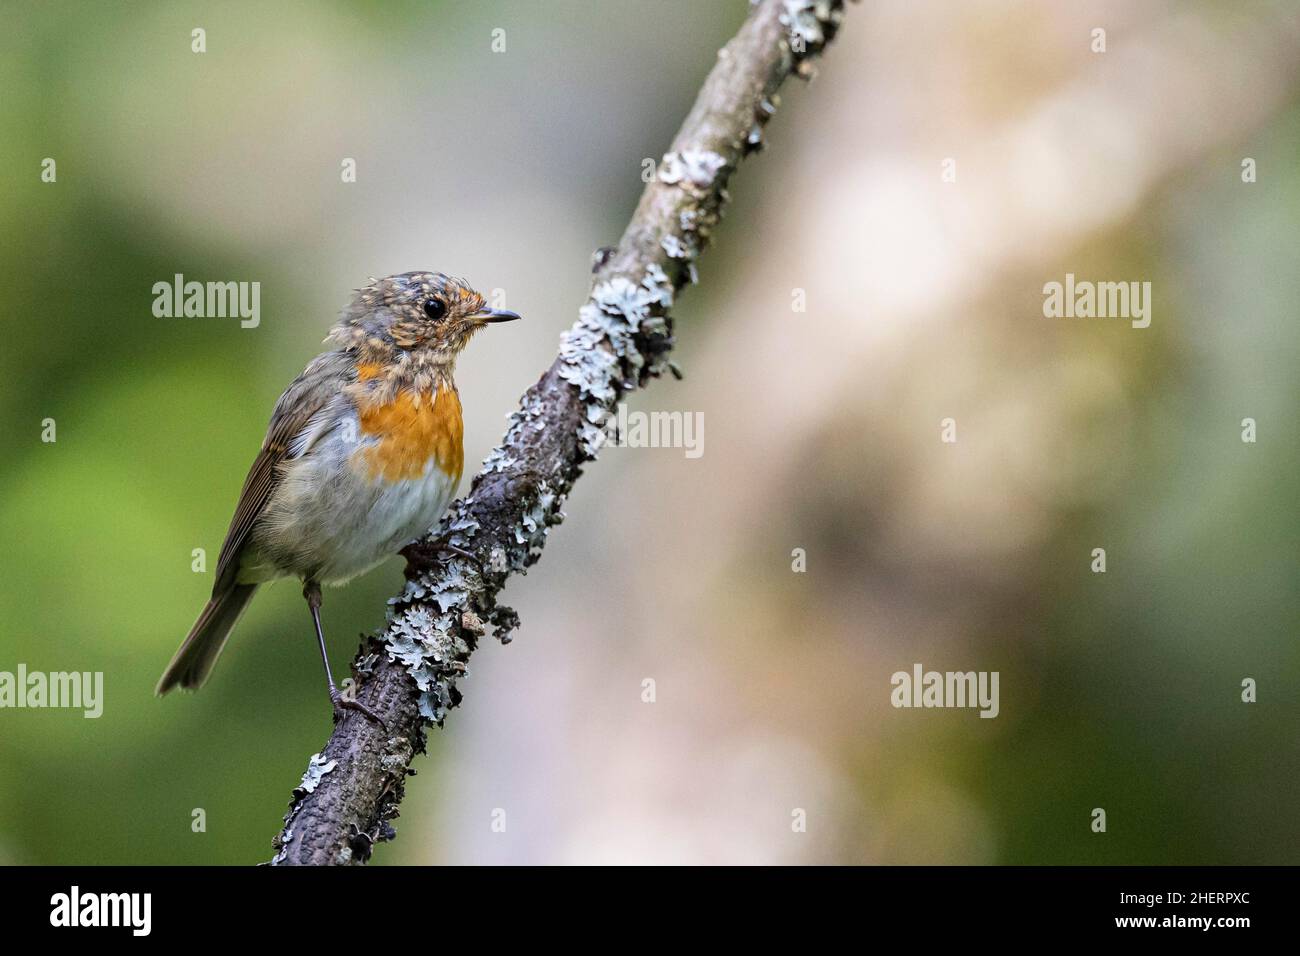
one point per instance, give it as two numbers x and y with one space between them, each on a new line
435 309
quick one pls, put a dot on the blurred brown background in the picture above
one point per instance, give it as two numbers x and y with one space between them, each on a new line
924 301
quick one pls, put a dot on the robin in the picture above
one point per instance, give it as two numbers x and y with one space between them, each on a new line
363 454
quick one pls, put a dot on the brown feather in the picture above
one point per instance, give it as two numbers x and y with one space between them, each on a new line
321 381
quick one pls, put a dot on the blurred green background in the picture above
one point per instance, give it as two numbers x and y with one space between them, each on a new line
1118 690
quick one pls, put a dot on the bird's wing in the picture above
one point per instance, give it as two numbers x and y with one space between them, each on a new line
296 423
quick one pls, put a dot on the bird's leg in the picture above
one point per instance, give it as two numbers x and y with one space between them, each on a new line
311 591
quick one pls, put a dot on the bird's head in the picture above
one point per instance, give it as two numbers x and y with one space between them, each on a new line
416 312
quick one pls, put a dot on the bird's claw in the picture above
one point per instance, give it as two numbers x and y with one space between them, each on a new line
449 548
436 549
342 704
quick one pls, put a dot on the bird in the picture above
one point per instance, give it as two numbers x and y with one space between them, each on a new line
362 456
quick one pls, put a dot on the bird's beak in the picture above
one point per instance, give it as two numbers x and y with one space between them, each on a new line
495 315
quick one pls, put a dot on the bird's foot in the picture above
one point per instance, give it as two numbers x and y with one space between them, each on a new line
342 704
448 548
436 548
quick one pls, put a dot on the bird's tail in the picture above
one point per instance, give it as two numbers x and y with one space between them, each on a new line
192 663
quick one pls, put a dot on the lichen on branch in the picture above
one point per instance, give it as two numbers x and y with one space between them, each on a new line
408 672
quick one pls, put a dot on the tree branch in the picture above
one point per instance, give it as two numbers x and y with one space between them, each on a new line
408 671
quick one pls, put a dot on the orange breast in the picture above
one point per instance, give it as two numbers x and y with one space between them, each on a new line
411 430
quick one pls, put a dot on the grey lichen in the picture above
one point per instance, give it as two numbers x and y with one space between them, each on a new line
317 767
602 357
433 623
460 527
692 169
674 247
530 414
808 20
423 634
